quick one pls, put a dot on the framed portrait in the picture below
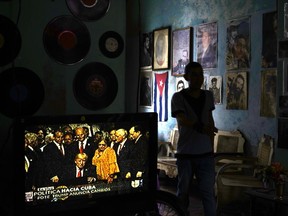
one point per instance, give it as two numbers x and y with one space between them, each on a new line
181 50
181 83
161 48
236 90
269 40
205 84
285 77
146 50
283 133
238 44
215 86
207 43
268 93
145 96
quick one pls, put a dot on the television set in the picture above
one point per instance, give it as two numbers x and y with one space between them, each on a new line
121 197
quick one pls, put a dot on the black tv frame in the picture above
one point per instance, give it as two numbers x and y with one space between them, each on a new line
118 204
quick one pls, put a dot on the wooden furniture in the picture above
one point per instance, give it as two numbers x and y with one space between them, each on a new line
231 186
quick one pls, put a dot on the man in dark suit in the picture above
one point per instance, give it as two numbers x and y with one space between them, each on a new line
80 172
83 144
123 149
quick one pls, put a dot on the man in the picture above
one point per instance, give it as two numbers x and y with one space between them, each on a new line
236 94
192 107
215 90
182 62
207 55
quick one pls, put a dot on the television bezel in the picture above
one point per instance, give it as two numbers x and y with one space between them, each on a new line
119 204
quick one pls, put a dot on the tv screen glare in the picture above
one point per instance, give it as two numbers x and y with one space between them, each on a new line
85 162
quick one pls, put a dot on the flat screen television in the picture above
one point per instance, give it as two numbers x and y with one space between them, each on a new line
37 194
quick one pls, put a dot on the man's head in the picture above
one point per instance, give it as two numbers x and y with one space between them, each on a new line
214 82
194 75
80 160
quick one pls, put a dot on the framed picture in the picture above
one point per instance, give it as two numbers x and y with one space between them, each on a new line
161 47
145 88
236 90
285 77
181 83
146 49
268 93
215 85
206 42
283 133
238 44
181 50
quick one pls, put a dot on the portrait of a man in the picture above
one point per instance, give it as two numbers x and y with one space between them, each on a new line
206 36
215 83
161 41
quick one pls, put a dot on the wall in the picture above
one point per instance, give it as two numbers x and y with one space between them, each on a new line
184 13
58 78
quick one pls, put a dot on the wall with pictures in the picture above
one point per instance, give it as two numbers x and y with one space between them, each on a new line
253 119
60 42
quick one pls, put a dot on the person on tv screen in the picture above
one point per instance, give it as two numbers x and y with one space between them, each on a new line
105 160
80 172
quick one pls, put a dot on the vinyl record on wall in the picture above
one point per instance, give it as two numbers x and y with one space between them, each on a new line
21 92
95 86
111 44
66 39
88 10
10 40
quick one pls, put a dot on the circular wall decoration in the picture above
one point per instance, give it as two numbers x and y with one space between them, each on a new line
66 39
88 10
10 40
95 86
111 44
21 92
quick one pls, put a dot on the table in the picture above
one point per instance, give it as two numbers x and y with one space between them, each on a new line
268 195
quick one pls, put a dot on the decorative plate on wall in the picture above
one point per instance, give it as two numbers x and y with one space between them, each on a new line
10 40
66 39
111 44
95 86
21 92
88 10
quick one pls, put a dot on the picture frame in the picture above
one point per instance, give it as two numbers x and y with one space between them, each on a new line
236 90
161 48
145 92
180 83
285 77
215 86
207 44
146 50
283 133
182 45
268 93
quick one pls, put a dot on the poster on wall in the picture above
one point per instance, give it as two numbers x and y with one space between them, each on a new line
181 83
146 50
207 42
238 44
236 90
181 50
268 93
215 86
145 88
269 40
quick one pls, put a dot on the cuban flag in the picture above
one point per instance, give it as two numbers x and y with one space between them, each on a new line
161 95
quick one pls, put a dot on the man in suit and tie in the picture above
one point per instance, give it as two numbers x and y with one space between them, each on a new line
122 148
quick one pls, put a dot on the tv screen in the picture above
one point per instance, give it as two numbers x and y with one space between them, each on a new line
105 162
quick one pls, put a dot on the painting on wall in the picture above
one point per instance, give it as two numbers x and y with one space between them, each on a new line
161 48
283 133
145 88
236 90
146 50
269 40
181 50
268 93
238 44
207 42
215 86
